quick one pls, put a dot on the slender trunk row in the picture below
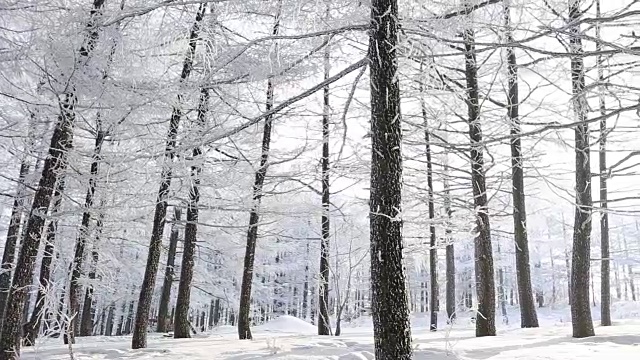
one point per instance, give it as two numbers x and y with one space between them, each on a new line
139 339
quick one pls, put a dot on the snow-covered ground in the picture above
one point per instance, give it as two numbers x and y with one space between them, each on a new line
291 338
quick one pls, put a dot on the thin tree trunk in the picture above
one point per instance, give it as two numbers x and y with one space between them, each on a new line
485 319
632 286
305 289
244 312
181 327
580 266
89 309
54 165
109 324
528 315
83 234
450 251
33 326
323 284
139 339
391 328
13 232
567 258
169 274
501 293
605 273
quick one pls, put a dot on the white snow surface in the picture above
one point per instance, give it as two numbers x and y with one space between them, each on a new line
292 338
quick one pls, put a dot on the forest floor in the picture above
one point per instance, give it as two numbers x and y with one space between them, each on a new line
291 338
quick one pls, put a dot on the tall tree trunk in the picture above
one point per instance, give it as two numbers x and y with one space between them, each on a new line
181 328
83 234
605 273
139 339
244 311
32 328
323 284
89 308
54 165
305 289
169 274
450 251
501 292
528 315
13 232
109 323
485 287
391 328
580 266
433 250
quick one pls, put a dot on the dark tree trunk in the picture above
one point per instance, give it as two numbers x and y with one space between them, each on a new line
181 328
305 288
54 166
32 328
485 285
89 310
528 315
580 266
501 293
244 311
433 250
605 273
323 284
74 306
392 331
169 274
129 323
450 252
13 232
139 339
109 324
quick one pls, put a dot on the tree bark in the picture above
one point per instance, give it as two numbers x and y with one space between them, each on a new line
484 274
139 339
450 251
605 273
244 311
83 234
323 284
181 327
433 250
13 232
528 315
32 328
392 331
89 309
169 274
580 266
54 165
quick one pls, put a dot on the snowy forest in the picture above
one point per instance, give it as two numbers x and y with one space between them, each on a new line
177 169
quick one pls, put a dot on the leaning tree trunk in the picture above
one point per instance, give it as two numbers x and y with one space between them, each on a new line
244 321
485 286
580 265
528 315
169 274
89 309
605 272
32 328
83 234
139 339
181 327
433 250
13 232
391 328
323 283
54 165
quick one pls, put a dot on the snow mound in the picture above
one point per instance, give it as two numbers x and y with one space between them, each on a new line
288 324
